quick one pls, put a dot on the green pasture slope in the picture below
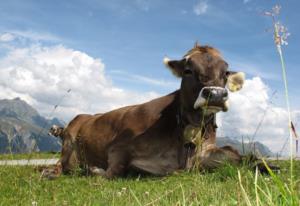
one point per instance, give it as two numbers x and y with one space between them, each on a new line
21 185
34 155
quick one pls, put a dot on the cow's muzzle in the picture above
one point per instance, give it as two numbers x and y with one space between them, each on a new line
212 99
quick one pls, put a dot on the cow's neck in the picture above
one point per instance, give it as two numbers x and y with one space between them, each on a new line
197 140
197 129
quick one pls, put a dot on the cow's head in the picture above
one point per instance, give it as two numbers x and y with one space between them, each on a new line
205 76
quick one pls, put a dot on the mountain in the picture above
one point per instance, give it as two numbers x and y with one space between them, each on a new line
259 148
23 129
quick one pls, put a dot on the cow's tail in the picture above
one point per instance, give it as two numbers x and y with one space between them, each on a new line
56 131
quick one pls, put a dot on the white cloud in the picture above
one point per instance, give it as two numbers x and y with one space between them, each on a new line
6 37
249 107
200 8
42 76
36 36
28 36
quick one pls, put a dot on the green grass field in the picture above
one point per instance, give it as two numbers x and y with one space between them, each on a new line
34 155
21 185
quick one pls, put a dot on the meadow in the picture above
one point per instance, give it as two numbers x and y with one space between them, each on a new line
33 155
22 185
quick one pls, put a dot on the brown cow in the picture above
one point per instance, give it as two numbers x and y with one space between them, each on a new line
176 131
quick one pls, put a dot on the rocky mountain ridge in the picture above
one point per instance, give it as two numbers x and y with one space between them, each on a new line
23 129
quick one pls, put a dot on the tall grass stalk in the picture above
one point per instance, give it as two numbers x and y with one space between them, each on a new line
286 192
280 37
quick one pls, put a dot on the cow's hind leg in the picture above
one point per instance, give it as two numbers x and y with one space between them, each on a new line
117 163
69 158
51 172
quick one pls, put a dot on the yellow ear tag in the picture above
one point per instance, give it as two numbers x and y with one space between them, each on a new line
235 81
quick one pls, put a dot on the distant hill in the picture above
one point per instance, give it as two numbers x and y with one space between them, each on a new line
23 129
259 148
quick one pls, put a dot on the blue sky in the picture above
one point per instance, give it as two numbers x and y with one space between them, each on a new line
132 37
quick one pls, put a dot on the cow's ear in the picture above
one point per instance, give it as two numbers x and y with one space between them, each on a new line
235 80
176 66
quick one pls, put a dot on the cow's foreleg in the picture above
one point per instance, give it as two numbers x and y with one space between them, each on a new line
69 161
216 157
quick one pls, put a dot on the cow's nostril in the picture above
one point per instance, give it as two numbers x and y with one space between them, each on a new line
205 93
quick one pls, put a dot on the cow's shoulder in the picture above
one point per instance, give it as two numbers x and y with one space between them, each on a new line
141 117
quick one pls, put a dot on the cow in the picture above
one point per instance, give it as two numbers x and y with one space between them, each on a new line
166 134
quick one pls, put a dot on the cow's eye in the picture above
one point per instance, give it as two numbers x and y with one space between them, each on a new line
224 75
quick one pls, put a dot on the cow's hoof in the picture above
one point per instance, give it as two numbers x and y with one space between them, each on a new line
97 171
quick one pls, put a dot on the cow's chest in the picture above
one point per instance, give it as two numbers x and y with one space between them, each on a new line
197 135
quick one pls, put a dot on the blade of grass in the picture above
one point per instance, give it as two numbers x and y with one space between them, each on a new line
160 197
276 179
243 190
268 196
135 197
255 183
183 195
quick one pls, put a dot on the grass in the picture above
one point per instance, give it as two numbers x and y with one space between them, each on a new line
23 186
33 155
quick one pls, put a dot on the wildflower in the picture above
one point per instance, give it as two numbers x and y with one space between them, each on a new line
280 32
147 193
119 194
124 189
34 203
281 35
276 9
